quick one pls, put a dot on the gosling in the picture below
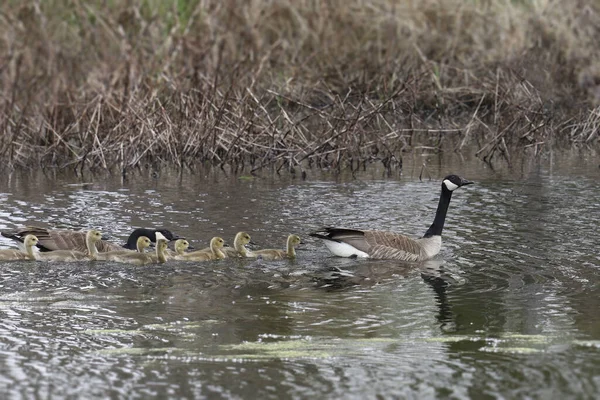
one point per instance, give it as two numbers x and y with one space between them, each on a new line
239 246
139 257
276 254
181 245
91 238
30 242
215 253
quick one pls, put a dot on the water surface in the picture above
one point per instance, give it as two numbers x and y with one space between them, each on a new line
510 307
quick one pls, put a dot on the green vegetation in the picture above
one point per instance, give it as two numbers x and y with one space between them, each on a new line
114 85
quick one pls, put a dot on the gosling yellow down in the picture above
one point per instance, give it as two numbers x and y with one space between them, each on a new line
139 257
239 246
276 254
181 245
215 253
91 238
30 242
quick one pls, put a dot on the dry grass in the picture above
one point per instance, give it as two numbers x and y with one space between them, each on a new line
285 83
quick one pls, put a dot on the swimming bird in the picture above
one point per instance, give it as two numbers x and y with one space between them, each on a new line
91 238
239 249
377 244
16 254
215 253
276 254
239 246
160 255
181 245
138 257
65 239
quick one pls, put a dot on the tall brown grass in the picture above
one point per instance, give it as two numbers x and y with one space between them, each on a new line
286 83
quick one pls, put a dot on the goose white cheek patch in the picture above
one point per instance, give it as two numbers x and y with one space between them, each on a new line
451 186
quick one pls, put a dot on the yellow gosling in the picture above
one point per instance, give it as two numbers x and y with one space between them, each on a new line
91 238
139 257
162 244
239 246
16 254
276 254
181 245
215 253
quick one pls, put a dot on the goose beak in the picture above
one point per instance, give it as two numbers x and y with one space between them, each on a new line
105 237
464 182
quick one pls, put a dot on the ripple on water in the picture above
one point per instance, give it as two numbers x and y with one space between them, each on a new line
509 309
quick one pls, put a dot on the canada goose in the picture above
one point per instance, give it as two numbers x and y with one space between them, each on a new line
215 253
91 238
390 245
276 254
15 254
138 257
65 239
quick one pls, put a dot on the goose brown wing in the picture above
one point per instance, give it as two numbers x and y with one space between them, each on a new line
55 239
59 239
390 245
104 246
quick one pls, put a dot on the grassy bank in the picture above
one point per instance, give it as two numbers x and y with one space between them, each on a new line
330 83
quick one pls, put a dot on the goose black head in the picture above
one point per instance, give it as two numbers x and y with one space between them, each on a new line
452 182
151 234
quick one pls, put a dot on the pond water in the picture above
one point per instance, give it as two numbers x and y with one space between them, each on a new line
510 308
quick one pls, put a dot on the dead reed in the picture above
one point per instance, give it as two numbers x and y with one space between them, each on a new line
292 84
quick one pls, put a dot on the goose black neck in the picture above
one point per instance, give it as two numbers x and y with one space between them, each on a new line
440 215
133 238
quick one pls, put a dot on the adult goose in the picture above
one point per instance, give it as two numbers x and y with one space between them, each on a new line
215 253
376 244
91 238
276 254
65 239
15 254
